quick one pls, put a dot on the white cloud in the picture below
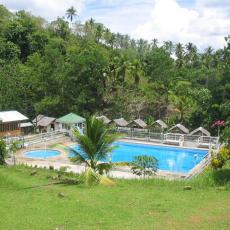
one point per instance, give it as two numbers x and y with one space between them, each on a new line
203 22
203 25
49 9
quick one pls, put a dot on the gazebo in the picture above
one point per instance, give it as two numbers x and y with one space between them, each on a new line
178 128
105 119
158 125
200 132
70 121
138 123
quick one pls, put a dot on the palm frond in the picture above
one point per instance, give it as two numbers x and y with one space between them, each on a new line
96 142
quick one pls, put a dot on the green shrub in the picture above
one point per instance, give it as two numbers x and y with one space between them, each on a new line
51 167
222 157
3 152
144 165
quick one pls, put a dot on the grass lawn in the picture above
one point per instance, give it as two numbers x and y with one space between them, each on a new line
130 204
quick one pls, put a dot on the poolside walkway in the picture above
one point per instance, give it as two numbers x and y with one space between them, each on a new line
63 161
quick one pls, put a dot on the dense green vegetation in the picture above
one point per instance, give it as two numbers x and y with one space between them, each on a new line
28 202
60 67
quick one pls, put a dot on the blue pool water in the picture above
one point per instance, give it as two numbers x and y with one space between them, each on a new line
172 159
42 153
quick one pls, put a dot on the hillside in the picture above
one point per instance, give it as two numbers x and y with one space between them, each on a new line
60 67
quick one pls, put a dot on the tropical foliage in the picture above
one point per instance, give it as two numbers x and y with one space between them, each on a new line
222 157
3 152
144 165
95 146
83 67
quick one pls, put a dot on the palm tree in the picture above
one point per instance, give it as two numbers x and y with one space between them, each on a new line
95 144
99 32
71 13
136 70
168 47
191 56
154 43
179 51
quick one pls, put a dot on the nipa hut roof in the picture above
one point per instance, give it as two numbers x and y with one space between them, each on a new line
43 121
138 122
121 122
105 119
202 130
161 123
180 127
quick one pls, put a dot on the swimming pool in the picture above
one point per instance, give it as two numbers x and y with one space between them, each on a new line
42 153
173 159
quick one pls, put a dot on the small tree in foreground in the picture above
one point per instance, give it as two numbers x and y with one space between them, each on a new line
3 152
144 165
95 146
13 149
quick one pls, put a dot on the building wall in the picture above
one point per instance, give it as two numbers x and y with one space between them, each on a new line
11 133
10 128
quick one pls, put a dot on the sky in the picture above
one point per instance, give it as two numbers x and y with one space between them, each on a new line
202 22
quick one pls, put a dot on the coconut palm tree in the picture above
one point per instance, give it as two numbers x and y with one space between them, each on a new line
95 145
179 52
71 13
136 70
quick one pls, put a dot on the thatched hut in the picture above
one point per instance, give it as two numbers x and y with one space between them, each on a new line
200 132
121 122
44 123
158 126
138 124
105 119
178 128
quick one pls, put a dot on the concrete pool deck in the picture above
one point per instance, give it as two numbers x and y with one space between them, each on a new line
117 172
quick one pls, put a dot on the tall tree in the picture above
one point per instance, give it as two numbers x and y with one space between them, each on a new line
71 13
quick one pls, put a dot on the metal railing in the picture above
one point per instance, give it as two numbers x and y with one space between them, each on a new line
43 137
170 138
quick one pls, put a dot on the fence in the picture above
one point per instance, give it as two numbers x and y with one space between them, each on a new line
171 138
25 141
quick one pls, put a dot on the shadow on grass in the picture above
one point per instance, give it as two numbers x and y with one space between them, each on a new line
222 176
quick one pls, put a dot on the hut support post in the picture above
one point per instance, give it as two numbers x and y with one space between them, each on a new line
162 138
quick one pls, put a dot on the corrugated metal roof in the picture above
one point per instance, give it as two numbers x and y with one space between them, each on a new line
202 130
71 118
26 124
9 116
